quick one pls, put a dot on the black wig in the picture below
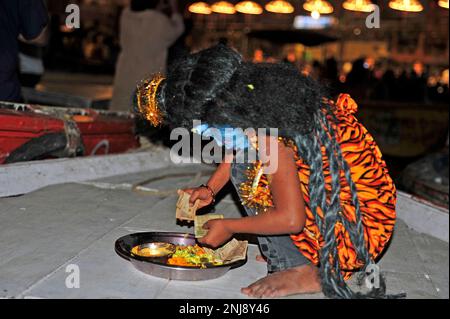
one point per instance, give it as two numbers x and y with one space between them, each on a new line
217 87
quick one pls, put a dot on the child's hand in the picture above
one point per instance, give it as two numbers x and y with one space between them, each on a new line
199 193
218 233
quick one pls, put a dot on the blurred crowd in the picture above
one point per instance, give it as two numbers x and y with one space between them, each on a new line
368 79
387 80
150 34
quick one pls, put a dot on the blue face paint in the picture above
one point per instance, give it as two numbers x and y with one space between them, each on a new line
231 139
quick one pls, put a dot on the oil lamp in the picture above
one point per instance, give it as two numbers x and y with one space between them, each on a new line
279 6
223 7
358 5
200 8
318 7
406 5
249 7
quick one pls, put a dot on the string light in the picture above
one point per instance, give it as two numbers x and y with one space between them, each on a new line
279 6
443 3
249 7
318 7
406 5
223 7
200 8
358 5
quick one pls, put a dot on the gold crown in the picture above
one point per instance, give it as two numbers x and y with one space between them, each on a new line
147 101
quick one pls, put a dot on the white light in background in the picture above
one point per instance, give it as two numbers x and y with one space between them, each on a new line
307 22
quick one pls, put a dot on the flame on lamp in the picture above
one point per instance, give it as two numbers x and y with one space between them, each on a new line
200 8
358 5
223 7
279 6
249 7
406 5
443 3
318 7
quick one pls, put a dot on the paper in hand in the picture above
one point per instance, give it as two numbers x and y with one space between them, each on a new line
233 251
184 211
202 220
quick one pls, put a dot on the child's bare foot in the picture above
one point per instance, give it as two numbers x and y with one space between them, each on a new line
299 280
261 258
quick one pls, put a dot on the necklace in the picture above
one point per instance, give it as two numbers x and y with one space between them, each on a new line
255 191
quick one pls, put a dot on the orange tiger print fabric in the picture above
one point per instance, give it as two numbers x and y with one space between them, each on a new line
376 192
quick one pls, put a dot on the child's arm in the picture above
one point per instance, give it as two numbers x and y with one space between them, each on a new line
217 181
287 217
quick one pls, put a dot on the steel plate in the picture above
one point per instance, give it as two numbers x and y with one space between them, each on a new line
157 266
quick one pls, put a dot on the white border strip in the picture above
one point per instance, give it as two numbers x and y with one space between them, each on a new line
423 216
22 178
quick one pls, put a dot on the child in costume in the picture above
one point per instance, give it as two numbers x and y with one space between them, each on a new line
327 211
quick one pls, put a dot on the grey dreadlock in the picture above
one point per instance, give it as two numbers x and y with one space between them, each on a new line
309 148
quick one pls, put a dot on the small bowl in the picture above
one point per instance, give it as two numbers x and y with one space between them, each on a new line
154 250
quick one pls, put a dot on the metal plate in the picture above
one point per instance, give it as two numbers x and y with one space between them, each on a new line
157 266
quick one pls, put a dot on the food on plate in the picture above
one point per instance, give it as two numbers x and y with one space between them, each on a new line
193 255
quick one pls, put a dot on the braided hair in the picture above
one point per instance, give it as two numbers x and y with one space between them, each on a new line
219 88
309 148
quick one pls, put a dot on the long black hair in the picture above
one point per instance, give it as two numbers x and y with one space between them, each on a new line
217 87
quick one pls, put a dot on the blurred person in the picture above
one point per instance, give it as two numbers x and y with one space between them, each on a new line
331 71
258 56
95 49
147 29
402 85
31 63
385 85
55 41
316 70
438 89
388 85
26 18
359 78
290 58
418 82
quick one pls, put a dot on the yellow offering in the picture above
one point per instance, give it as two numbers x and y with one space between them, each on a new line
153 250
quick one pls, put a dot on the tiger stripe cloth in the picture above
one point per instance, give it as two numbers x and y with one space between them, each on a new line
376 192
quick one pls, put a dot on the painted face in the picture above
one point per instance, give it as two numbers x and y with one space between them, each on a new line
230 138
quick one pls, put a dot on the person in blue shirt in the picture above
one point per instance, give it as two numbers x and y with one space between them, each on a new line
26 18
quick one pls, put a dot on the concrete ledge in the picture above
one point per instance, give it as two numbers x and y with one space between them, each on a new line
22 178
422 216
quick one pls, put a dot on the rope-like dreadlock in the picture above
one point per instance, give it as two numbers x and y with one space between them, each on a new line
310 149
